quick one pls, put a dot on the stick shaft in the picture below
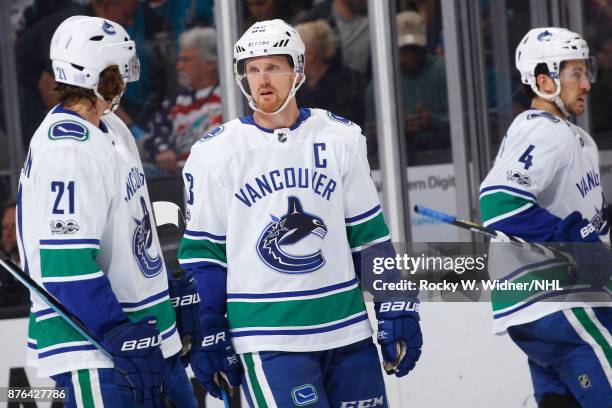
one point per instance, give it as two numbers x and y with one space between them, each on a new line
50 300
492 233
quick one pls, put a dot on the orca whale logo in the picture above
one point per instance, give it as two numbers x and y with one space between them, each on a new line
108 28
545 36
290 229
148 259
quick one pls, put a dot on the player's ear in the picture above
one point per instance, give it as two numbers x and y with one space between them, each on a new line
546 84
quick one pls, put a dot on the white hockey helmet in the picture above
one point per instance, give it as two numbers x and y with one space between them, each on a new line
271 37
82 47
551 46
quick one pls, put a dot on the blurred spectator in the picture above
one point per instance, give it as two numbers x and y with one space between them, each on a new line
194 111
39 9
12 293
428 9
260 10
335 88
601 95
349 21
9 231
32 52
423 90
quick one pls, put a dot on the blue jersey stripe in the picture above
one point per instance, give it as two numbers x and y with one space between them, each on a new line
508 188
530 266
66 349
144 301
205 235
170 333
285 332
69 241
362 216
292 294
43 312
545 296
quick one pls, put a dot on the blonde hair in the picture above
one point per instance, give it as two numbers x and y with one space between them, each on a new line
318 34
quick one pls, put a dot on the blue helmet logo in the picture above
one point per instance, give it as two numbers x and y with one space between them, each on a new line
108 28
290 229
148 259
545 36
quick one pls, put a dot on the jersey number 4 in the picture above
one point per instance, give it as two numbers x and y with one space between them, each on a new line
59 187
527 157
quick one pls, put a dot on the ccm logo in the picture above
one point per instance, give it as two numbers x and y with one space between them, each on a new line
399 307
185 300
140 344
213 339
584 231
372 402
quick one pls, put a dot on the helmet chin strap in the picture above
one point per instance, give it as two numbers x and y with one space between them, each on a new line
552 97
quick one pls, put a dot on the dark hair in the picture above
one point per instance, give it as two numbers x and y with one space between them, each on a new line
110 85
541 68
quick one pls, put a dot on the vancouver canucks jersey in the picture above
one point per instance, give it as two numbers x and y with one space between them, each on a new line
546 168
86 233
281 212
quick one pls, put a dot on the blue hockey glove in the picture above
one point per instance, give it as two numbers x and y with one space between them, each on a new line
399 335
139 364
215 356
186 302
593 258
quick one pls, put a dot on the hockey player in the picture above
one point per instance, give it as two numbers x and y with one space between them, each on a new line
544 187
87 235
277 203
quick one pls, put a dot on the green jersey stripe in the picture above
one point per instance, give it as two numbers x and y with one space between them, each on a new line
296 313
502 299
57 263
499 203
366 232
55 331
250 369
85 385
202 248
590 327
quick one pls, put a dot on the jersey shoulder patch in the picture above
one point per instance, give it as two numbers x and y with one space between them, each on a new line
339 119
215 132
68 129
540 114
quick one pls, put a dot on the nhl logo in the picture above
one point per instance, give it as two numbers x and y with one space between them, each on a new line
282 137
585 381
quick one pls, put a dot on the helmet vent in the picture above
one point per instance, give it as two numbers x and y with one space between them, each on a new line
288 33
239 49
96 38
80 68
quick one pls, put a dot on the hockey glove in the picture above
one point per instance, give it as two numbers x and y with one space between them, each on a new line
139 363
186 302
399 335
593 258
215 356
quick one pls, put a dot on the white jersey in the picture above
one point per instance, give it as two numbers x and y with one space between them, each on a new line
84 222
283 211
546 169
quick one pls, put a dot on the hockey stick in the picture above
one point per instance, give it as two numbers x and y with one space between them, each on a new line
50 300
492 233
167 212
